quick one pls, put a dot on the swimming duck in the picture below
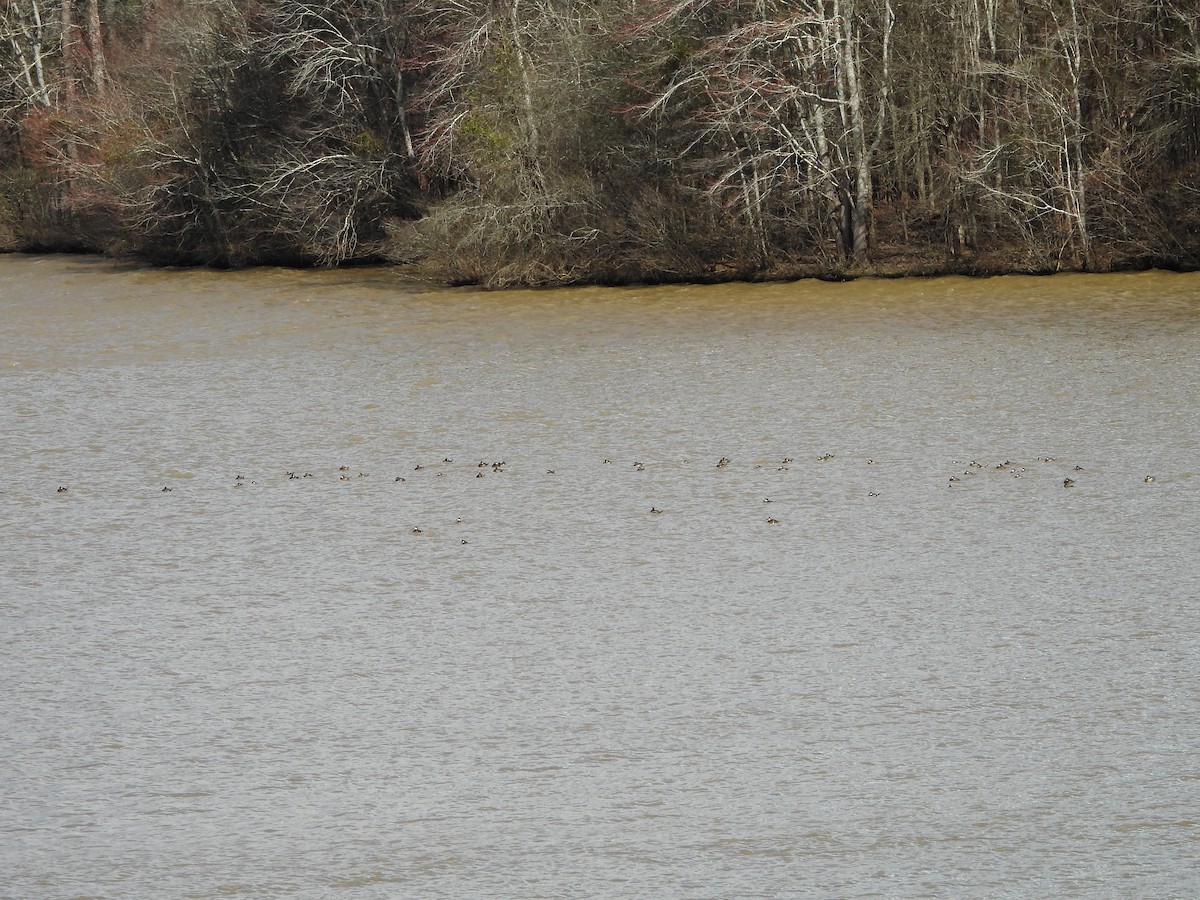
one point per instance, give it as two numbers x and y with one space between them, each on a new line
1068 482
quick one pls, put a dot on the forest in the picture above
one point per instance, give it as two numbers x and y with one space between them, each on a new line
542 142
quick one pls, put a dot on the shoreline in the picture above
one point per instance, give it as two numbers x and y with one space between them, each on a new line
976 267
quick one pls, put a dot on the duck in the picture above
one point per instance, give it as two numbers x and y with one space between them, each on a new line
1068 482
772 521
61 490
1149 479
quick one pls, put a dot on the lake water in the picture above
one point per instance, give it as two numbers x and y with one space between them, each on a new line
726 591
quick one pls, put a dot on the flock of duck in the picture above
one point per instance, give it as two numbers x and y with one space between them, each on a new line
1019 470
483 468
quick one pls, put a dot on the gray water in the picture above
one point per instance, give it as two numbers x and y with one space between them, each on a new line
821 668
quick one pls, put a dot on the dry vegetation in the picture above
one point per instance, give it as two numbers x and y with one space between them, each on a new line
555 141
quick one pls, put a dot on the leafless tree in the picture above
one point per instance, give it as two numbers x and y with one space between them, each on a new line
777 98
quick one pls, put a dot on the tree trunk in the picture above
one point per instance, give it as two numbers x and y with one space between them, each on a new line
95 40
67 49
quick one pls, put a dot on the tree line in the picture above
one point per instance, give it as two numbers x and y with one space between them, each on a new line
556 141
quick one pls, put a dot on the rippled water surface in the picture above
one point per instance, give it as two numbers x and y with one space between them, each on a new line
733 591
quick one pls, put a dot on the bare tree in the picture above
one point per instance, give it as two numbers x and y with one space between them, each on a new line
776 96
26 41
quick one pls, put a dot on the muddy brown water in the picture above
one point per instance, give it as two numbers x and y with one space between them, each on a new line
880 651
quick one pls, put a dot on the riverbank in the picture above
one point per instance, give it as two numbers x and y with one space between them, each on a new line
607 142
887 262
